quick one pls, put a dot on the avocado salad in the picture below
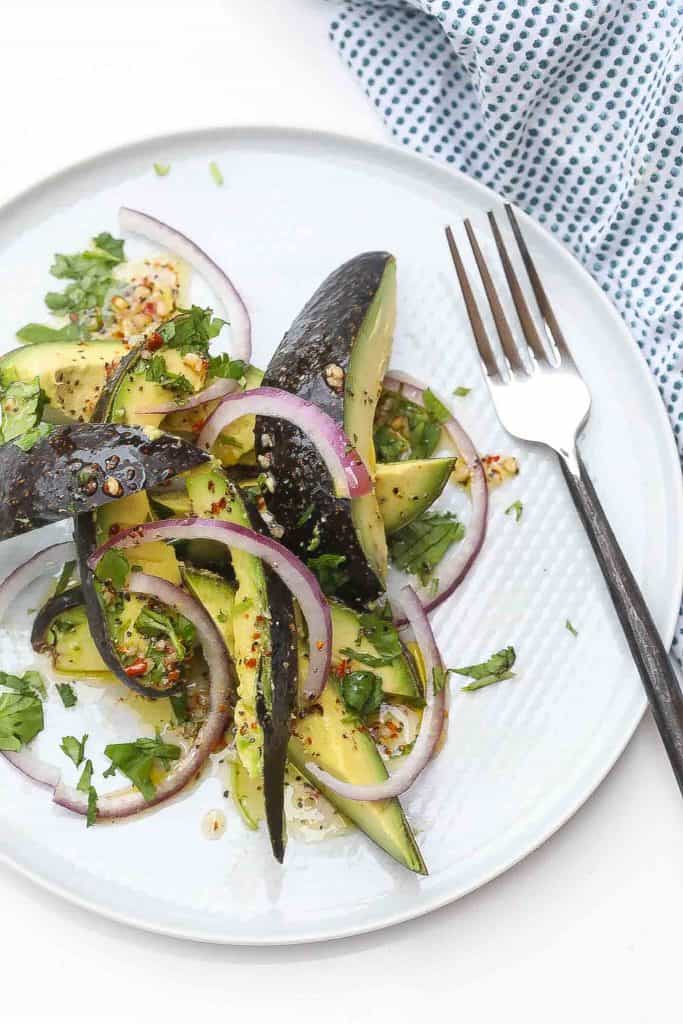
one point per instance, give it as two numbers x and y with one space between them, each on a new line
252 554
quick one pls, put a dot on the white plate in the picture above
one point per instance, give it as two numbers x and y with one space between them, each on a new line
521 757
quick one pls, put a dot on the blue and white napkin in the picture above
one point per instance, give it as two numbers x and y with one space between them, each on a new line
572 109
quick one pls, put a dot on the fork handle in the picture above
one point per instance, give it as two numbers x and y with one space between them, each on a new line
649 654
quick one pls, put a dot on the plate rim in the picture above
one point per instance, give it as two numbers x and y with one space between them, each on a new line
389 151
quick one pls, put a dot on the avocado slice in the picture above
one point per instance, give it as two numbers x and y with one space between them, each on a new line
325 735
335 355
237 446
399 679
406 489
217 596
71 373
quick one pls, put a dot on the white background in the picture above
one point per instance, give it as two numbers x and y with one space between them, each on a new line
589 927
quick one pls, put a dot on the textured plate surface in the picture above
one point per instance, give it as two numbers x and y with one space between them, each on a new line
520 757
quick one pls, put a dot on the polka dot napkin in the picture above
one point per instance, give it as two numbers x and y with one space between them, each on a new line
573 110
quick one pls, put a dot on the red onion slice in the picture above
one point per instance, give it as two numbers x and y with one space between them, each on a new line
41 564
124 803
430 727
42 772
156 231
218 389
296 577
459 559
349 474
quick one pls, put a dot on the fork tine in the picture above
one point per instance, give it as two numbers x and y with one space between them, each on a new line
551 324
480 334
504 333
525 319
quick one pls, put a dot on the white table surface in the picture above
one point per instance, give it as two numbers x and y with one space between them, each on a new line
587 927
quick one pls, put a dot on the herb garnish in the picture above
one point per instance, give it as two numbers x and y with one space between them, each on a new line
571 628
404 430
137 759
435 406
155 370
215 172
516 508
21 409
461 392
328 569
223 366
113 567
31 334
90 273
30 684
306 515
83 783
175 627
191 330
362 692
68 694
181 710
495 670
161 170
367 659
419 547
21 719
75 749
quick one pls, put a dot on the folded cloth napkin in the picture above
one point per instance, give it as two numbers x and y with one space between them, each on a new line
573 110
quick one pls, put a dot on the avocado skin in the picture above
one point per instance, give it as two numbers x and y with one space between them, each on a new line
42 485
323 333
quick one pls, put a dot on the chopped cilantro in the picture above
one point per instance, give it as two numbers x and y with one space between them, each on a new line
85 780
179 630
33 436
404 430
419 547
367 659
114 568
30 684
571 628
67 693
378 628
31 334
495 670
180 708
215 173
191 330
21 719
462 392
161 170
306 515
223 366
435 406
137 759
91 816
362 692
90 273
73 748
155 370
328 569
21 408
516 508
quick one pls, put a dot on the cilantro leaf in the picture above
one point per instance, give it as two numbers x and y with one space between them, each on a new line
155 370
180 708
516 508
136 761
571 628
113 247
21 719
83 784
462 392
91 816
32 334
362 692
495 670
419 547
31 437
435 406
67 694
175 627
114 568
223 366
328 569
378 628
404 430
215 173
73 748
90 273
367 659
161 170
30 684
191 330
21 408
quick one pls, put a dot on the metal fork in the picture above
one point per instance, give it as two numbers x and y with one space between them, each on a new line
545 399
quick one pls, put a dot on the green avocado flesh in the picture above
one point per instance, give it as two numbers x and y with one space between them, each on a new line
399 681
217 596
72 373
213 496
405 490
326 736
367 366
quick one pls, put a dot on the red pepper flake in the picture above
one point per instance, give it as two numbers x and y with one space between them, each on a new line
138 668
255 636
320 644
218 506
491 458
343 668
173 676
196 429
150 308
250 662
154 341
